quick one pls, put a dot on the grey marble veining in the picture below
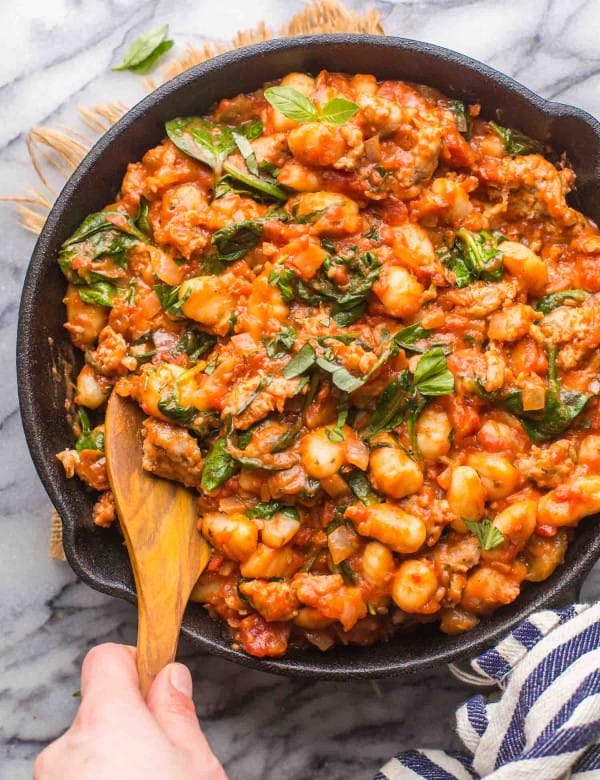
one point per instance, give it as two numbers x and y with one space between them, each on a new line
56 56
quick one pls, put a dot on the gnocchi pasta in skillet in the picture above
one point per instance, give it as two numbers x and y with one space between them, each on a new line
363 323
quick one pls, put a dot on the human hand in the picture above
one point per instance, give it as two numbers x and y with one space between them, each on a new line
116 735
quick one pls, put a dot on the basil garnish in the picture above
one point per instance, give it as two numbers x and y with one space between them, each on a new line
146 50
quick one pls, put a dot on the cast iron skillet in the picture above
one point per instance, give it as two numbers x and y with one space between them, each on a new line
98 556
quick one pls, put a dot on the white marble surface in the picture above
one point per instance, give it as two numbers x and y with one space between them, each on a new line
55 56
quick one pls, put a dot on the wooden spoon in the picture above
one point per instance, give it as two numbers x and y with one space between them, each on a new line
159 520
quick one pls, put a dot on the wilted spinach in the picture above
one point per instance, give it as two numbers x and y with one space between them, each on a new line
554 300
109 234
515 142
88 439
474 256
169 299
212 144
219 466
559 412
99 293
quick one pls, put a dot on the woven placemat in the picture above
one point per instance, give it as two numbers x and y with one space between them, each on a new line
56 152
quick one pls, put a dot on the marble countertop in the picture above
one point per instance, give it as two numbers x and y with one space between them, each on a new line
56 56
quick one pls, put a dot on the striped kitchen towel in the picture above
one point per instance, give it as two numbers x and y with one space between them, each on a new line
546 724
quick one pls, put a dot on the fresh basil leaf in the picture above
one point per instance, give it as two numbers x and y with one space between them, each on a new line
432 375
88 439
234 241
219 466
146 50
304 359
554 300
462 117
100 293
292 104
337 111
485 532
169 299
516 143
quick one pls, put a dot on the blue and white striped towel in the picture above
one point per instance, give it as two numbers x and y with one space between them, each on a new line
545 726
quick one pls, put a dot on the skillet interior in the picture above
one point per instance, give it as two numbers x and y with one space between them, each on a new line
98 556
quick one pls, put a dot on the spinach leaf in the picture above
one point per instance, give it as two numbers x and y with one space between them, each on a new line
304 359
247 152
235 240
336 433
359 485
408 337
171 408
392 406
432 375
473 256
281 344
266 187
516 143
361 270
560 410
169 299
266 510
213 143
142 218
100 293
195 343
462 117
299 108
146 50
348 316
284 279
264 381
554 300
485 532
204 141
88 439
219 466
102 234
373 234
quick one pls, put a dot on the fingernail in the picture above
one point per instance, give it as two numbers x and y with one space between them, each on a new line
181 679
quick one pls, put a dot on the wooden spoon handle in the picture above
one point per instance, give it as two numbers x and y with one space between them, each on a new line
158 634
